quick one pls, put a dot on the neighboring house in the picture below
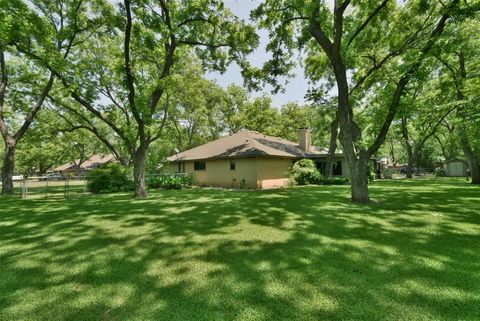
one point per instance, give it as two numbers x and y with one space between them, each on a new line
251 159
85 167
456 167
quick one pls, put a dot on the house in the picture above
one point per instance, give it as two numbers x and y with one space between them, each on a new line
456 167
82 169
251 159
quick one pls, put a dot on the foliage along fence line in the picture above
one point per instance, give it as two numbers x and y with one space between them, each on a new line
68 186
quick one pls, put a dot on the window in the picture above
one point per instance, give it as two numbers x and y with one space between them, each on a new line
321 166
181 167
199 166
337 168
232 165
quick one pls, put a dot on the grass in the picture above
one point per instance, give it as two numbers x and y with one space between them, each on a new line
292 254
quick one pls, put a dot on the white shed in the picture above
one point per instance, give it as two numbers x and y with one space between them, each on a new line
456 167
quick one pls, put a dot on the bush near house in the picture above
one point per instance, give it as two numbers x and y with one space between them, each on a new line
109 178
304 172
170 181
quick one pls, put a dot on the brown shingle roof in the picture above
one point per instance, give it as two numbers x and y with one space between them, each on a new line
245 143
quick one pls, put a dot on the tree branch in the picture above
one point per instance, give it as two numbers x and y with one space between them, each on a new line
367 21
390 55
433 130
338 23
164 120
129 73
36 107
402 84
169 57
94 130
319 34
194 20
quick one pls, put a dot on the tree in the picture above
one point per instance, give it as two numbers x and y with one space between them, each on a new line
460 63
422 112
447 139
197 104
24 83
294 116
240 111
121 75
359 40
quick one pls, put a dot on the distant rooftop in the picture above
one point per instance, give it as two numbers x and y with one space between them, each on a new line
90 163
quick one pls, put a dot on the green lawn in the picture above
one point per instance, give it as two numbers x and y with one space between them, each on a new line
292 254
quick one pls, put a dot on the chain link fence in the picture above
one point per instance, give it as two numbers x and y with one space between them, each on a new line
58 186
46 186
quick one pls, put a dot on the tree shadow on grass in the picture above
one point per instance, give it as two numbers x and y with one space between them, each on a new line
292 254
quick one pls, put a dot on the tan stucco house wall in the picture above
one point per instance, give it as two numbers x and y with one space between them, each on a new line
273 172
258 172
248 172
249 159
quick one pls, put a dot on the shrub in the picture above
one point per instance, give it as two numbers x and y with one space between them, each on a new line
167 181
370 173
335 181
304 172
439 172
109 178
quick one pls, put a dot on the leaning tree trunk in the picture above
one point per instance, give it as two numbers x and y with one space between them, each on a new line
139 161
7 169
332 148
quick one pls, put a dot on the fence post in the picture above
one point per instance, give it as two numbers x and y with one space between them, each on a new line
65 187
24 190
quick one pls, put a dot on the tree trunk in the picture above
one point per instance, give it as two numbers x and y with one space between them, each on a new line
408 147
43 168
139 160
443 149
410 161
349 134
359 181
7 169
473 162
474 170
332 148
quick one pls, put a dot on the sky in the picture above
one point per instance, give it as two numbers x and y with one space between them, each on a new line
296 88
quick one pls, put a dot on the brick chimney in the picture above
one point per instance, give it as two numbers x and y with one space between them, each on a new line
305 139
